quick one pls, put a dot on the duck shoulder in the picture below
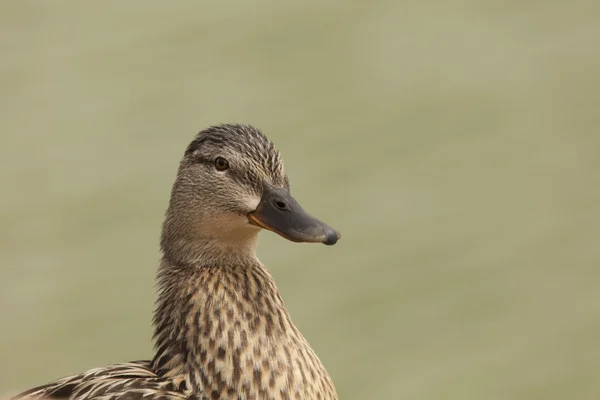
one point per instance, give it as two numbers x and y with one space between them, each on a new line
131 381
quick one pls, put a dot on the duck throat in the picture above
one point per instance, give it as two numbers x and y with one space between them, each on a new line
202 241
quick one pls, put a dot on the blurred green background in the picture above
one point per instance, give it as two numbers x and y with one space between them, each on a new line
456 146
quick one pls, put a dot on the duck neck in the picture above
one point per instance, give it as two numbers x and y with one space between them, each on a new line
221 328
214 314
208 251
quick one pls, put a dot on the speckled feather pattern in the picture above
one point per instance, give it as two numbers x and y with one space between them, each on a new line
222 330
235 334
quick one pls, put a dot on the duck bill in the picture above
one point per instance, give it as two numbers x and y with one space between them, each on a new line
279 212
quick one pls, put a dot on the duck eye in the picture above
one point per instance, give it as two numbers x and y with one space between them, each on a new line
221 164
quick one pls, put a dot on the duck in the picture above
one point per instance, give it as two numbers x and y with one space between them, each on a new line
221 327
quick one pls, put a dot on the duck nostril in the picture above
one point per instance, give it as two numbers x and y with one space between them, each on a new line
280 204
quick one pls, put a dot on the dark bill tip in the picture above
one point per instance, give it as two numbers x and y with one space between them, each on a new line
331 237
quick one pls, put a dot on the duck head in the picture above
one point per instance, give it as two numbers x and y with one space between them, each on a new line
231 184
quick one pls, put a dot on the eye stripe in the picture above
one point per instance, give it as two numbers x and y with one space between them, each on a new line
240 140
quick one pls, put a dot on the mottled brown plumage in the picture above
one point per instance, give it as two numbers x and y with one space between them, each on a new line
222 330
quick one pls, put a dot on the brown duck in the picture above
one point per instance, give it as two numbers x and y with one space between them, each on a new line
222 330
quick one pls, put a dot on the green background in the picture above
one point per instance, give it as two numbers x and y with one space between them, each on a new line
455 144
